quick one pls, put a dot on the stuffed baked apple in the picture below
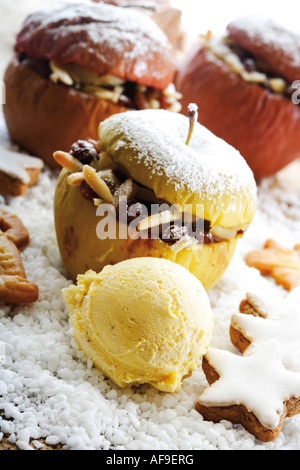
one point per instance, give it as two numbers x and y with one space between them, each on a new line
173 191
75 64
244 85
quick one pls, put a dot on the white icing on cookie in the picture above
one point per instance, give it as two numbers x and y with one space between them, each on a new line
15 164
12 163
281 322
258 380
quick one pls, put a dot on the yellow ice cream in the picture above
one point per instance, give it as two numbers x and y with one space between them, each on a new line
143 320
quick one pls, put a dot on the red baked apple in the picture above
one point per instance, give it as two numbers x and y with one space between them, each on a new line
245 85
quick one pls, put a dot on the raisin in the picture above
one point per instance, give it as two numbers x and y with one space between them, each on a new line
84 151
87 192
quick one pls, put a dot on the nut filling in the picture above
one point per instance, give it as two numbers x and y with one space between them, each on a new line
100 181
109 87
251 69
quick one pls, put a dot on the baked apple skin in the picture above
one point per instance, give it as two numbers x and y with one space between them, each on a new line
31 127
81 249
262 125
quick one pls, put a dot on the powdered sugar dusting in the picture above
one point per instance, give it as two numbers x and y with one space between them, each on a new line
102 27
74 14
276 44
207 164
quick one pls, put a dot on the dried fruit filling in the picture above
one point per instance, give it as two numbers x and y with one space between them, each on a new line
123 93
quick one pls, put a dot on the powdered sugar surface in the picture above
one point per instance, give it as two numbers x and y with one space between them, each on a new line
109 28
74 14
49 390
272 35
207 163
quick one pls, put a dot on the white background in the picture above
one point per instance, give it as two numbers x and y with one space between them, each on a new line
201 15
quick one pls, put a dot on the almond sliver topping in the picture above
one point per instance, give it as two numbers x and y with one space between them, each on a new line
75 179
127 190
59 74
97 184
159 219
67 161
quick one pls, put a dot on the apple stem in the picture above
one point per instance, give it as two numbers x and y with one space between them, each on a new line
193 117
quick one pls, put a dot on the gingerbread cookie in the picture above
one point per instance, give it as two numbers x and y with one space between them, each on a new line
17 172
261 321
14 286
14 229
254 390
280 263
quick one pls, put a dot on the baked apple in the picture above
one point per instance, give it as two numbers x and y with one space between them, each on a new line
75 64
244 83
155 184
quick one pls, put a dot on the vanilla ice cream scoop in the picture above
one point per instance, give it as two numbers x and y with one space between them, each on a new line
143 320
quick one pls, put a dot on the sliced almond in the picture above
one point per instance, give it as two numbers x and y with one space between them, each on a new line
75 179
97 184
98 202
175 107
110 80
255 77
59 74
104 93
223 233
223 52
87 77
154 103
278 85
227 233
186 243
171 92
160 218
67 161
127 190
